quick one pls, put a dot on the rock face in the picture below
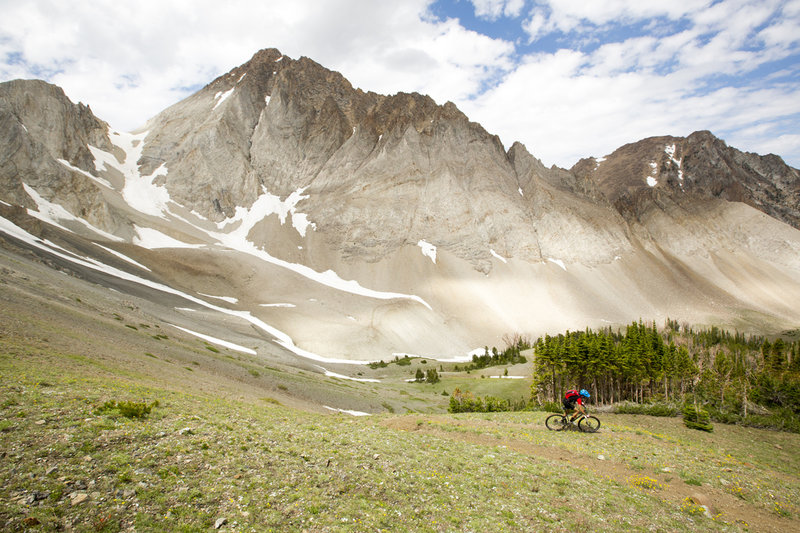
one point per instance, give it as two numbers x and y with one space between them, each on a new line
42 134
404 168
699 167
279 181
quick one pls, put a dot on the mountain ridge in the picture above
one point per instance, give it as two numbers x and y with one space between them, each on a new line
392 224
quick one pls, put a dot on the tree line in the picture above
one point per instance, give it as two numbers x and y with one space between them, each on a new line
728 372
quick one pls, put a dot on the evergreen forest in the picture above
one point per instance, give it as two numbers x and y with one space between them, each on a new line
735 377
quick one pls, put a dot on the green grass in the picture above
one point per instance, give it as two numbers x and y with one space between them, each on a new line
263 466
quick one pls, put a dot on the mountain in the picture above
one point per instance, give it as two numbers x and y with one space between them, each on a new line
283 210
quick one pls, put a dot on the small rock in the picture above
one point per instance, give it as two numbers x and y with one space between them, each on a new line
40 422
376 456
96 496
128 494
724 482
186 431
777 446
703 501
36 496
666 469
601 457
220 522
78 498
80 485
87 458
51 470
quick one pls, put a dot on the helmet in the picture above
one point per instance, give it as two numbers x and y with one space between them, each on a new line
585 393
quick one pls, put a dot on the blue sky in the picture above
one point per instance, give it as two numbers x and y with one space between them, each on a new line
568 78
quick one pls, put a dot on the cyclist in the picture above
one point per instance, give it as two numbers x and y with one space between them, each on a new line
573 403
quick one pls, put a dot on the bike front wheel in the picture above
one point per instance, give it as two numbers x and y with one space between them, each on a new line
556 422
589 424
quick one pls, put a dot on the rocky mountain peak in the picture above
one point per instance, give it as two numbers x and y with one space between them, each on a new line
45 144
699 166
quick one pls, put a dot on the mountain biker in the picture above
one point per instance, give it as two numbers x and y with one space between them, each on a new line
573 403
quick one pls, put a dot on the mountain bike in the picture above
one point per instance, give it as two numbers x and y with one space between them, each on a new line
585 423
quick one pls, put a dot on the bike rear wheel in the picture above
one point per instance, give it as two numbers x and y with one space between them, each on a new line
589 424
556 422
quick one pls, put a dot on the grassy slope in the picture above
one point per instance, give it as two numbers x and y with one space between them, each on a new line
219 446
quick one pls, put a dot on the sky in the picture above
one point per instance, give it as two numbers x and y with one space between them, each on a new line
567 78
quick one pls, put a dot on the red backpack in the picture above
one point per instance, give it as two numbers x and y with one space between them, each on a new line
570 394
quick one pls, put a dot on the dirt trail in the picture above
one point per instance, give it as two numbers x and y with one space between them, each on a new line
729 508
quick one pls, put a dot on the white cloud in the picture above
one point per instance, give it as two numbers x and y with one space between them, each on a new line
594 75
131 60
494 9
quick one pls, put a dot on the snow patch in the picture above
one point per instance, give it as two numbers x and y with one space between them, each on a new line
229 299
266 99
123 257
55 214
346 411
102 159
101 181
428 250
330 374
152 239
139 192
519 189
670 151
268 204
216 341
558 262
222 96
498 256
277 305
651 179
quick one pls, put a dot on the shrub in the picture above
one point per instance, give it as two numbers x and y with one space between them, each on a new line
655 409
128 409
548 407
781 419
696 418
495 405
431 376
